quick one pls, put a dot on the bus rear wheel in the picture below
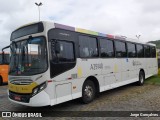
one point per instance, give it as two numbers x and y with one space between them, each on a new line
88 92
141 78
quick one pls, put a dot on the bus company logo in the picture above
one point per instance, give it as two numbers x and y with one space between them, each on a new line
136 63
6 114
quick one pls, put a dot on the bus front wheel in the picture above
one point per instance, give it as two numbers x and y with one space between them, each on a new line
88 92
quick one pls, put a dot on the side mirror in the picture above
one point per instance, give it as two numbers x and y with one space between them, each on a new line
4 59
57 47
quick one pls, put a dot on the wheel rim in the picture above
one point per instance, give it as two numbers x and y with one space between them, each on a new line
88 92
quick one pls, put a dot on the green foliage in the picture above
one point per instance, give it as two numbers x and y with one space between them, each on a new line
157 42
153 80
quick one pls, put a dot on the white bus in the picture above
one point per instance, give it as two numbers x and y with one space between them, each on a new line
53 63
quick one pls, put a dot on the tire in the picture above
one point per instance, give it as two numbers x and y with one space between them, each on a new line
1 81
88 92
141 78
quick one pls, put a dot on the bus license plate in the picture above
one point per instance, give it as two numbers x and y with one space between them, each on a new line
17 98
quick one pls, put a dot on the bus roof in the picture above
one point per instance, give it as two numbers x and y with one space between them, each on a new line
66 27
80 30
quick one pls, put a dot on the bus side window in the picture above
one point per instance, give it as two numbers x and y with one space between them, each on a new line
88 47
153 52
147 52
66 52
131 50
121 51
140 51
107 48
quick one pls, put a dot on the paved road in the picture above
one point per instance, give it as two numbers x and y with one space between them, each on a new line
126 98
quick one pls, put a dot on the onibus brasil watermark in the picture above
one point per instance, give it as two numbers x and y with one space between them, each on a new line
37 114
21 114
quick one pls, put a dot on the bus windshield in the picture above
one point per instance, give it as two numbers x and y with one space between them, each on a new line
28 57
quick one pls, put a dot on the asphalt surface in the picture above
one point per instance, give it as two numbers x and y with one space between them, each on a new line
126 98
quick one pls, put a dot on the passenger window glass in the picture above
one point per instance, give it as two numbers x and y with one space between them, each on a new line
65 53
140 51
131 50
153 52
107 48
147 51
120 49
88 47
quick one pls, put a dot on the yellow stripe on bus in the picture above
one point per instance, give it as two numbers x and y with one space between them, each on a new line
115 68
79 72
86 31
22 88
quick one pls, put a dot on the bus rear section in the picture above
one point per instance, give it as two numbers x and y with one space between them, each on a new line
4 68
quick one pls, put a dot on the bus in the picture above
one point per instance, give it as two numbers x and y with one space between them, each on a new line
70 63
4 68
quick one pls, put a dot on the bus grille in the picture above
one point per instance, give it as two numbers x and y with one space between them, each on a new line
21 82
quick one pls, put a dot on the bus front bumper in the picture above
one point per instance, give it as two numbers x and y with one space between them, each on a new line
40 99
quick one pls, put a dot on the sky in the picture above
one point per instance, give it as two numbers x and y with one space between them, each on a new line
118 17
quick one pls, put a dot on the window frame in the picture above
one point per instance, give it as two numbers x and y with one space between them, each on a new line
116 48
97 44
100 47
151 47
73 51
135 49
147 46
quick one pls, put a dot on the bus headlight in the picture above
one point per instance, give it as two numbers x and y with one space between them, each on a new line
39 88
42 86
35 91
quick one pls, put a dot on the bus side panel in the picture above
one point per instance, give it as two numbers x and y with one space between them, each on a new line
133 68
63 92
154 66
124 69
109 73
4 72
148 65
